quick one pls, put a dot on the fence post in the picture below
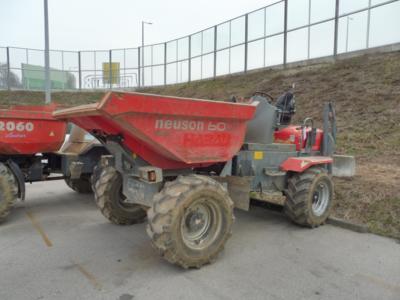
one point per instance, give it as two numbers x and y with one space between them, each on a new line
335 41
139 71
215 52
151 67
309 30
79 70
165 63
190 59
110 68
246 39
285 23
368 23
8 68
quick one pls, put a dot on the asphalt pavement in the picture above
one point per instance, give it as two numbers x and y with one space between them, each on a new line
57 245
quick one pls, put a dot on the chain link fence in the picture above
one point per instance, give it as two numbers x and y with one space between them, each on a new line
283 32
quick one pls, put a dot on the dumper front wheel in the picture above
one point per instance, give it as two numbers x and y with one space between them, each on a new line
97 170
8 191
309 197
111 201
190 220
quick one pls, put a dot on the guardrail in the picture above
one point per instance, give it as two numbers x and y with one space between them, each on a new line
282 32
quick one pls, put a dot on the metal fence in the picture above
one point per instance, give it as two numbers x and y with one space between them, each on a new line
282 32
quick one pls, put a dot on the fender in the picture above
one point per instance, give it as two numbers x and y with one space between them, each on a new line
20 178
300 164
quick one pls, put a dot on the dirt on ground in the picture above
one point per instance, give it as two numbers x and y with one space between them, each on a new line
366 94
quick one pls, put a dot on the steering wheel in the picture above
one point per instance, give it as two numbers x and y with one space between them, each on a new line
265 95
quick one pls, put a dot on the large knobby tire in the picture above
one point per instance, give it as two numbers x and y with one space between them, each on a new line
97 170
81 185
8 191
190 220
111 201
309 197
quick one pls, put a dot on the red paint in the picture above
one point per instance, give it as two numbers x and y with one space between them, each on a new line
30 130
168 132
300 164
292 135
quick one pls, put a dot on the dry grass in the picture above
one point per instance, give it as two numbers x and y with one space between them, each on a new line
37 98
366 93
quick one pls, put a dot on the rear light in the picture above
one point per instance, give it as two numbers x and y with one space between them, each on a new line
151 174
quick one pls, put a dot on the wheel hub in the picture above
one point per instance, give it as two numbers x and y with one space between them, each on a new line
198 224
320 199
195 221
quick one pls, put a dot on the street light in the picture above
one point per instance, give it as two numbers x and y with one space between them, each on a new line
47 84
347 32
143 23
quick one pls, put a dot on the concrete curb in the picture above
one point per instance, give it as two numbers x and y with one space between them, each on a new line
348 225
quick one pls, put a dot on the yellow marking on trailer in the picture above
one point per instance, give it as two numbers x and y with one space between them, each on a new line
39 228
303 163
89 276
258 155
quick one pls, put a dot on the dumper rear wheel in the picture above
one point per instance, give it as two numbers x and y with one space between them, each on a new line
309 197
81 185
111 201
8 191
190 220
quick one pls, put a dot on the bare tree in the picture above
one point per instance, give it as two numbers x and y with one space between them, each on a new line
13 79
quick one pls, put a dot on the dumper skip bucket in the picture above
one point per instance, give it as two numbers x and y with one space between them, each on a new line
167 132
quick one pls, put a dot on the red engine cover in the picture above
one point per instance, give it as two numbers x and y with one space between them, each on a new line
293 135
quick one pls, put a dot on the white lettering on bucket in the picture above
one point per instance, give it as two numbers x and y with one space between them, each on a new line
190 125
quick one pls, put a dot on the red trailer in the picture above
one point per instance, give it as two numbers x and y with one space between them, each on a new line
30 130
30 150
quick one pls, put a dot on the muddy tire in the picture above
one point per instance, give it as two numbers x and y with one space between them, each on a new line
81 185
95 175
110 200
8 191
190 220
309 197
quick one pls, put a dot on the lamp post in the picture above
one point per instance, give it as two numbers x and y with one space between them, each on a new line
347 32
46 55
143 23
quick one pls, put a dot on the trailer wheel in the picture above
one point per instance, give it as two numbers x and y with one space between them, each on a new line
309 197
81 185
110 200
190 220
8 191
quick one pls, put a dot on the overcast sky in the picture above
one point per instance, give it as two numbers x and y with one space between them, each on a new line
105 24
110 24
